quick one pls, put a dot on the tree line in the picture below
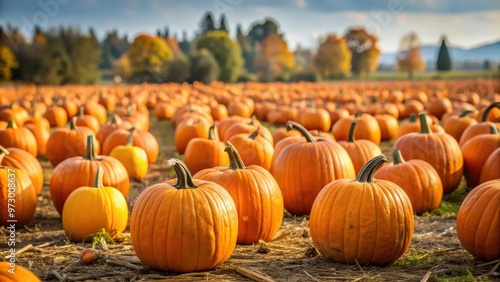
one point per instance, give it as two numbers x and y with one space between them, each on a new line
68 55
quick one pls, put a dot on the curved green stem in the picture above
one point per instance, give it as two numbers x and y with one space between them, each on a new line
367 171
235 161
211 132
488 110
424 126
255 133
12 124
72 123
3 152
297 126
90 154
493 129
130 137
184 178
350 137
465 113
98 178
397 158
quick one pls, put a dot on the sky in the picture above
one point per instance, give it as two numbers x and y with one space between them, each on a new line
466 23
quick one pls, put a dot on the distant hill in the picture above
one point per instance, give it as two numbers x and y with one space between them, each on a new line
490 51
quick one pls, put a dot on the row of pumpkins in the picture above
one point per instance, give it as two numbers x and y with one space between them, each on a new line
299 168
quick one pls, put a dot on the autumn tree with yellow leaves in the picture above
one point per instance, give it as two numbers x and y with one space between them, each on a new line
364 49
410 59
333 58
148 56
274 58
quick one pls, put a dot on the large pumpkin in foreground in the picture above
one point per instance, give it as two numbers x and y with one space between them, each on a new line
21 274
478 221
24 195
362 221
184 225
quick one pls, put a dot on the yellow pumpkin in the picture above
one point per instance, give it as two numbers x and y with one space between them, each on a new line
133 158
90 209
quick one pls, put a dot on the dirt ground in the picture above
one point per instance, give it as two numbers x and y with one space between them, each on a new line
435 253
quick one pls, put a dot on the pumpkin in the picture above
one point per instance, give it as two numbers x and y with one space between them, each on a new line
254 149
440 150
281 133
107 101
14 112
224 124
188 130
41 135
248 128
77 172
164 110
257 196
440 106
184 224
360 151
105 207
87 121
478 224
489 113
18 137
482 127
21 274
490 169
70 107
65 143
143 139
22 160
56 116
413 126
302 169
15 182
204 153
412 106
418 178
133 158
106 129
476 151
388 126
219 112
37 120
362 221
456 125
313 118
96 110
368 128
282 144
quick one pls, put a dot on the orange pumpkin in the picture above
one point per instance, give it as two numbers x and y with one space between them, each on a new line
360 151
18 137
368 128
440 150
257 196
482 127
490 169
21 274
254 149
107 128
302 169
142 139
57 116
204 153
197 232
16 184
418 178
362 221
87 121
478 227
456 125
22 160
188 130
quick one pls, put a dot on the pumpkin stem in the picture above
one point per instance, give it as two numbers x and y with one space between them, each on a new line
413 118
488 109
184 178
91 154
211 133
130 138
357 114
297 126
115 119
82 110
367 171
3 152
424 126
98 178
397 158
252 120
72 123
465 113
255 133
11 124
350 137
493 129
235 161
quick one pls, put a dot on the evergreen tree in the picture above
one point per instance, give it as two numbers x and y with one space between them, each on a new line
223 23
443 61
207 23
248 53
